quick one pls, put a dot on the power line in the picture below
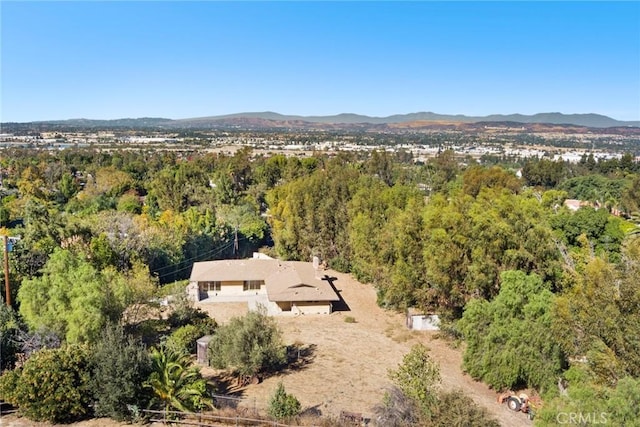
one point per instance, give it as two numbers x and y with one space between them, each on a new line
220 250
211 252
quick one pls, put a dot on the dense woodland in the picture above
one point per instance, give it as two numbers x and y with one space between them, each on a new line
545 298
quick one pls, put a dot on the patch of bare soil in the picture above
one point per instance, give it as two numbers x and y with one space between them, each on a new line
346 365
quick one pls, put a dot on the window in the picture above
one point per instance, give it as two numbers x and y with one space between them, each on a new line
252 285
210 286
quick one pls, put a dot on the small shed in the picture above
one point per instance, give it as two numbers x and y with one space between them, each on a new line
202 346
420 321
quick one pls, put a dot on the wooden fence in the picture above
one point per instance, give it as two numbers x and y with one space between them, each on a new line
177 418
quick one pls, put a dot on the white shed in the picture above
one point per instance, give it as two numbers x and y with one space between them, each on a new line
419 321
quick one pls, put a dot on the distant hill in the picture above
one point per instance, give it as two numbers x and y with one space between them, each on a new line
271 120
588 120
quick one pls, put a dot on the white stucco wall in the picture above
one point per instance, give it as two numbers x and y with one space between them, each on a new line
311 308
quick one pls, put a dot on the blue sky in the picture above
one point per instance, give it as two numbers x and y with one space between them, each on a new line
105 60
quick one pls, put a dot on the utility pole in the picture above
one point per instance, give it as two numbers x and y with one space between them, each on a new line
235 243
6 270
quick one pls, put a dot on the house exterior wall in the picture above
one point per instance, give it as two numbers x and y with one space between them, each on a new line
193 292
231 288
312 307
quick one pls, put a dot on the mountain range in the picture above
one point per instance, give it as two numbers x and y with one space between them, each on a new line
588 120
254 120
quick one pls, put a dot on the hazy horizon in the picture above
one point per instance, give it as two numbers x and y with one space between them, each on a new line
113 60
204 116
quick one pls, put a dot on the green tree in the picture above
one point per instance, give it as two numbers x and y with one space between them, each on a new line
54 385
75 300
467 243
476 177
251 344
9 330
597 317
183 340
418 376
120 367
68 186
543 172
175 384
510 340
309 216
611 405
283 406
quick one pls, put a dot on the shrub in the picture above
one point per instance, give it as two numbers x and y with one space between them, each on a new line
184 313
418 377
54 385
396 410
249 344
9 330
183 339
349 319
454 408
283 406
8 386
120 367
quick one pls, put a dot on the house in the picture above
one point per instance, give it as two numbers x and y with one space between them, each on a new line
575 204
284 287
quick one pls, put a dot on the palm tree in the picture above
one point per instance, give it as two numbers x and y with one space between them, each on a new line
175 383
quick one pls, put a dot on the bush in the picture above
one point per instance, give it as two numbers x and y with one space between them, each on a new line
454 408
183 339
9 330
282 405
54 385
349 319
418 377
396 410
184 313
9 385
120 367
249 344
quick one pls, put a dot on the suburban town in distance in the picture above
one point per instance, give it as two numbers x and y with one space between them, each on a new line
421 139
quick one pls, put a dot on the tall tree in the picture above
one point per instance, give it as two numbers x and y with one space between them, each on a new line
73 299
510 340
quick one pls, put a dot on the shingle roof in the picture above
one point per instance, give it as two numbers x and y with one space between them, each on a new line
284 280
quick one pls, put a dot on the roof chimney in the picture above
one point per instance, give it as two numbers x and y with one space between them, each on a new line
316 266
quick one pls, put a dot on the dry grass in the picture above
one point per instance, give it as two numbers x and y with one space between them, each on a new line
348 367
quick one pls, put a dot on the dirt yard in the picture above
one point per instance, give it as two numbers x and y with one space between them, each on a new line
347 362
